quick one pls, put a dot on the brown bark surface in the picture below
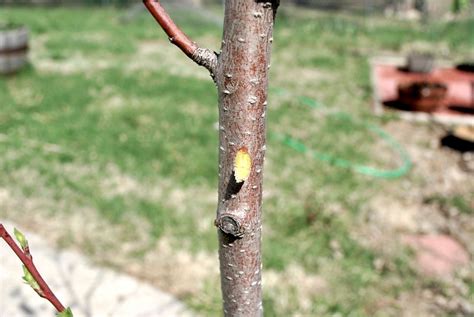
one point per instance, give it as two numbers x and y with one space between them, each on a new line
240 72
242 80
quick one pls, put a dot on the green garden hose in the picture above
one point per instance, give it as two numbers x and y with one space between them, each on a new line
299 146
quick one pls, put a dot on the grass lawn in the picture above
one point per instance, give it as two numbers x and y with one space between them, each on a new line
108 144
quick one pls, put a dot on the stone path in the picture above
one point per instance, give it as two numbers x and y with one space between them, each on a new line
437 255
89 290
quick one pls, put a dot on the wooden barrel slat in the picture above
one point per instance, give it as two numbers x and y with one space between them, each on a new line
13 49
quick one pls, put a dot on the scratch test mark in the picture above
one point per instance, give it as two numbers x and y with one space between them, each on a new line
242 165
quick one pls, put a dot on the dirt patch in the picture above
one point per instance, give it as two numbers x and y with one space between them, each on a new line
172 269
118 184
130 247
161 56
179 272
25 96
295 280
284 62
409 207
436 172
71 64
74 64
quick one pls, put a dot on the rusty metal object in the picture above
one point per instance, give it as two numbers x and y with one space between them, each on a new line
13 48
422 95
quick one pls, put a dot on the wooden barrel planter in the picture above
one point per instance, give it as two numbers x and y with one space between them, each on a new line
13 48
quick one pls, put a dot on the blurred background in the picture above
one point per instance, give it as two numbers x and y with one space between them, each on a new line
108 146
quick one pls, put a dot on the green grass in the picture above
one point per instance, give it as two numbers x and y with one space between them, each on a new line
457 202
72 131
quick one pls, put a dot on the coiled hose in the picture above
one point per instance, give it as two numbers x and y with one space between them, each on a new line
299 146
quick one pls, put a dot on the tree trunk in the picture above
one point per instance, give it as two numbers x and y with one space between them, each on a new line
240 72
242 81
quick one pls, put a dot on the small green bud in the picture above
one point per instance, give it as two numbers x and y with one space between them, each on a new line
30 280
20 237
65 313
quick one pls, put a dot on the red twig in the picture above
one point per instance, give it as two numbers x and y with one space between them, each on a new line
201 56
176 36
28 262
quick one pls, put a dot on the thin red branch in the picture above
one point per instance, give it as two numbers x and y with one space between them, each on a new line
28 262
201 56
175 35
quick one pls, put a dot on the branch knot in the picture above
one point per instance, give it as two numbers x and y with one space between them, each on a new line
230 224
206 58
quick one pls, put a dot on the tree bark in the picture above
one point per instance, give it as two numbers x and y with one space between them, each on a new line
240 72
242 81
